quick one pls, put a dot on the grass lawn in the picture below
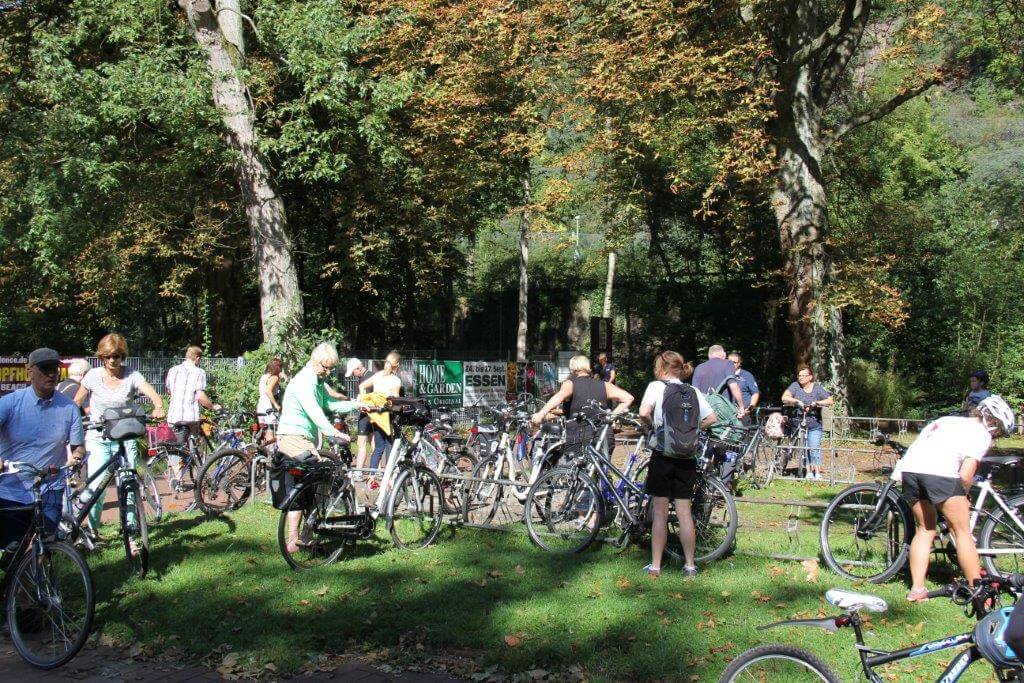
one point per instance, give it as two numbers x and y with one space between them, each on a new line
220 589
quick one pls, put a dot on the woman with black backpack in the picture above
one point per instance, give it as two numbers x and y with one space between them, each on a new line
677 412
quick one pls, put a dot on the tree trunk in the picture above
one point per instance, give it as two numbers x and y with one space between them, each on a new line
606 310
799 202
281 308
524 257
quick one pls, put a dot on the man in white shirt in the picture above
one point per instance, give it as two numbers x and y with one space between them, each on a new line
186 383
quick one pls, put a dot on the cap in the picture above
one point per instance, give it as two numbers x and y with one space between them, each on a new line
980 374
352 365
43 355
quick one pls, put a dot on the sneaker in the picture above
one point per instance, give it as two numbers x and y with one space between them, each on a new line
357 476
652 571
817 476
809 477
689 572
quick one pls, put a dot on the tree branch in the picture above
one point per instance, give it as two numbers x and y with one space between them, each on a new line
853 11
841 51
881 111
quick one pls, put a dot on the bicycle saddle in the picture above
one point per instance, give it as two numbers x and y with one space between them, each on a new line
552 428
854 602
1001 460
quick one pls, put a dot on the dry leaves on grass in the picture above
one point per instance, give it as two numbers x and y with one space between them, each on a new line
623 583
811 567
514 639
760 597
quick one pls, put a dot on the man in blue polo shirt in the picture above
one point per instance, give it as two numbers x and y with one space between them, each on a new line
37 424
748 387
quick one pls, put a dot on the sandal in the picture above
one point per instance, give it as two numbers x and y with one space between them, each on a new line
917 595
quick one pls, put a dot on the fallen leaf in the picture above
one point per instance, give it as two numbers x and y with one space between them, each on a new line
666 621
481 582
676 596
322 591
916 628
623 583
495 573
230 659
364 591
811 567
725 594
519 569
303 602
514 640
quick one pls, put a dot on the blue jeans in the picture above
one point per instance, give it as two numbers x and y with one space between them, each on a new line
100 452
814 438
381 446
14 523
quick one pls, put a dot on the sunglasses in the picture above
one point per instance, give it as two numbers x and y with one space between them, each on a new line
48 368
114 356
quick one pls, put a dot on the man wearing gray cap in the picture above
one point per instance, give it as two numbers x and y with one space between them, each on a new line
37 424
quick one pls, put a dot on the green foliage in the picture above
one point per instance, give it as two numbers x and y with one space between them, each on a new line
881 393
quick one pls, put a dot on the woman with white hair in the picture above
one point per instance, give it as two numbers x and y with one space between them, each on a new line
585 394
303 418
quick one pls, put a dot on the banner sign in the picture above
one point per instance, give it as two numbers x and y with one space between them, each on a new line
14 373
484 383
440 382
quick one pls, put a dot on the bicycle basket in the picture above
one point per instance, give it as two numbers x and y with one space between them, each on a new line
161 435
124 423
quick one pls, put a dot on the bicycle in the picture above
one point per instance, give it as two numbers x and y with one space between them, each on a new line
47 588
787 663
866 530
120 425
522 455
409 497
233 473
444 452
571 507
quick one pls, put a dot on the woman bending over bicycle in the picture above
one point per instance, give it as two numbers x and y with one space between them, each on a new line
811 397
303 419
937 472
672 478
111 386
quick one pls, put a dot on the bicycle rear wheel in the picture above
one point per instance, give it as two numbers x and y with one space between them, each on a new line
778 663
224 482
134 534
714 516
853 547
415 508
50 605
564 511
315 504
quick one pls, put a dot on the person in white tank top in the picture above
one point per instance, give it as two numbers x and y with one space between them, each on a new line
386 382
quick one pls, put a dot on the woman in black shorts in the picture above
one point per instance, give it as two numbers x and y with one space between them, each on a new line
670 478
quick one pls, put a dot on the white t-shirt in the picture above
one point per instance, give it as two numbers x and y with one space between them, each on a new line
102 397
654 396
389 385
943 446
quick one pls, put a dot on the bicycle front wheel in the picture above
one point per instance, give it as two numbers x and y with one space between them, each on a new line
224 483
135 534
151 493
564 511
858 544
415 508
481 496
778 663
1001 542
50 605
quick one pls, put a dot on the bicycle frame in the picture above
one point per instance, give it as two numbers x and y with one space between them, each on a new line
117 465
599 464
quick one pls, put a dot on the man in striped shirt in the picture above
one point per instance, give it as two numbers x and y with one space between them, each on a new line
186 383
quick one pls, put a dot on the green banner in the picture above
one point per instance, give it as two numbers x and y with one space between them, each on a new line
440 382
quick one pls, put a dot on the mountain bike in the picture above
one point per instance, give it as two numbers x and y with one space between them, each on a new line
120 425
409 497
866 530
47 589
566 507
787 663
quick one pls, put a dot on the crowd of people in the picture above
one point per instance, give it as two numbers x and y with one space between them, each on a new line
45 424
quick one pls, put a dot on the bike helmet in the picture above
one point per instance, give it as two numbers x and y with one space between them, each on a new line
989 636
994 406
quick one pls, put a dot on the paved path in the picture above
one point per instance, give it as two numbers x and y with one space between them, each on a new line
100 664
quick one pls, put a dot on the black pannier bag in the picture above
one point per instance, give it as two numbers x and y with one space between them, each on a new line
410 410
124 423
285 474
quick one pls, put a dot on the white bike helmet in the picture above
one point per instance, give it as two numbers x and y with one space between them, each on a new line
994 406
